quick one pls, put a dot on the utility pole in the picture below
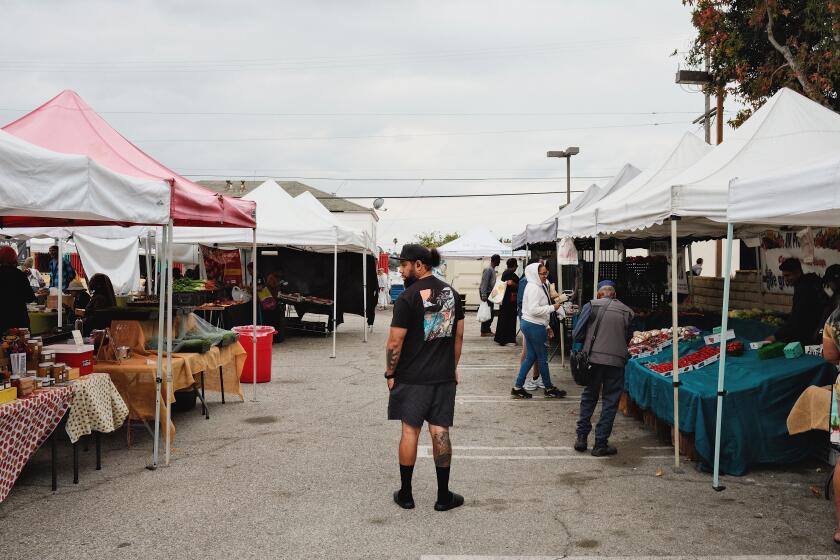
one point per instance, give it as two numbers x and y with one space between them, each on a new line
707 126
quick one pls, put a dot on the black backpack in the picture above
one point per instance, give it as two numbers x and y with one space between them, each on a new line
579 359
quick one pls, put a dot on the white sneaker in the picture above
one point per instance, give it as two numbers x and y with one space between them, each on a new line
530 385
538 382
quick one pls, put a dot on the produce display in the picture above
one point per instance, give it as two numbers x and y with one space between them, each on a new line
696 360
772 350
735 348
298 298
190 285
647 343
765 316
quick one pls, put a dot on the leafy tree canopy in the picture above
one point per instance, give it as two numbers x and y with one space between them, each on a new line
435 238
757 47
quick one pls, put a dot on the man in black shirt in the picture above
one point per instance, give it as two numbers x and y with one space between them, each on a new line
422 354
807 315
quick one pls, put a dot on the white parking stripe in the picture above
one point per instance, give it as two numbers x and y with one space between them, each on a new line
558 557
425 451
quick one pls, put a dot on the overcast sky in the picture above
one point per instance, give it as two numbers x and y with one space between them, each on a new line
371 90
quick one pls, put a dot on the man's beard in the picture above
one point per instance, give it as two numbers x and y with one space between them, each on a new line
411 279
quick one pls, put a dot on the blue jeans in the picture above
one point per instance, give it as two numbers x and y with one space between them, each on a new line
535 338
608 383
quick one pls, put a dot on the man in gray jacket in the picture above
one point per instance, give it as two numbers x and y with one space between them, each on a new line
488 281
608 356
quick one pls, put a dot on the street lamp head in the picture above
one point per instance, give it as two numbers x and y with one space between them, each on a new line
572 151
556 153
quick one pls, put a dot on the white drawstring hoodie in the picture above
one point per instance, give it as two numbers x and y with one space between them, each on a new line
536 305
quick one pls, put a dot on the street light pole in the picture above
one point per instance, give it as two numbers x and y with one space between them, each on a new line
567 153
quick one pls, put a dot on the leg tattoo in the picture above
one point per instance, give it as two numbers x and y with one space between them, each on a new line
442 449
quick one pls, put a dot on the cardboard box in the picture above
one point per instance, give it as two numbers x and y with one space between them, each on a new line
72 373
68 300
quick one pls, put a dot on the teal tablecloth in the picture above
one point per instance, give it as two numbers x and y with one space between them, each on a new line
760 394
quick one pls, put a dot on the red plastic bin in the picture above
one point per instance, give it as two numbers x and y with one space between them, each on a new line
265 338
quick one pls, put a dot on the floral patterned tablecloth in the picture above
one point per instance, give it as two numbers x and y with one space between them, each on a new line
25 424
97 407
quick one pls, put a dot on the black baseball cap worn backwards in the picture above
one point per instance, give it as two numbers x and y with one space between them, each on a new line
414 252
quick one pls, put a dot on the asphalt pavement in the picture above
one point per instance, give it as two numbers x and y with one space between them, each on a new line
307 471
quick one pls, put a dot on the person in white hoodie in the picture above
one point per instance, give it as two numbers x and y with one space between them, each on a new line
537 308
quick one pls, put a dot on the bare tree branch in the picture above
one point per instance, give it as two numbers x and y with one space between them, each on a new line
807 87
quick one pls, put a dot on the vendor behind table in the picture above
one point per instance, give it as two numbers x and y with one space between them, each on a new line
102 297
808 311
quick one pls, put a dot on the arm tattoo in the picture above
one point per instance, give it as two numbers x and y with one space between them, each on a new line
392 357
442 449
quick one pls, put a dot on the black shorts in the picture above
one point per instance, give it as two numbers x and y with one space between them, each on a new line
415 403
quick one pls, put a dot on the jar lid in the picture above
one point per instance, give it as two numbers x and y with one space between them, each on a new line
45 364
60 364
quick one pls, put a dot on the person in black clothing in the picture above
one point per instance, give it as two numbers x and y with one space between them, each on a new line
15 289
422 354
506 322
102 298
807 314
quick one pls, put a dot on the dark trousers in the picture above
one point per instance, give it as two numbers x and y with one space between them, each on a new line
485 326
608 383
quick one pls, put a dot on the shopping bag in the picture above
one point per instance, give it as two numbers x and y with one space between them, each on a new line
484 312
497 294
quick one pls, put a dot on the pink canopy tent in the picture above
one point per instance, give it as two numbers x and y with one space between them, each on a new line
67 124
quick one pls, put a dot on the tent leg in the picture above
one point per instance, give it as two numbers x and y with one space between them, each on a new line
364 288
560 290
159 369
149 275
60 281
335 295
597 262
168 342
724 325
675 339
254 310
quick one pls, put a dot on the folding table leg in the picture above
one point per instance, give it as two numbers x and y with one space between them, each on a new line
76 463
98 437
53 459
203 400
222 383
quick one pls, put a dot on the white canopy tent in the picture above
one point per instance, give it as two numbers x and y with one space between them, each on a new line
477 243
807 195
282 221
41 184
787 128
586 221
547 231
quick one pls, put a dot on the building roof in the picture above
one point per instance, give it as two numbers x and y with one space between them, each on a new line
294 188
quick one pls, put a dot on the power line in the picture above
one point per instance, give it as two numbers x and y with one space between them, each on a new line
395 179
381 114
475 195
403 135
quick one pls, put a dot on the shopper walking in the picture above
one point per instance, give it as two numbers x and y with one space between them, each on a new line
537 308
383 282
535 381
422 354
607 358
506 323
67 274
488 282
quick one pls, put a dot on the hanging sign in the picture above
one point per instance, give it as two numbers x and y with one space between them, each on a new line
223 266
822 252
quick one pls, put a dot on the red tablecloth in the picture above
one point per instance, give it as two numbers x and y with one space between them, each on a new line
25 424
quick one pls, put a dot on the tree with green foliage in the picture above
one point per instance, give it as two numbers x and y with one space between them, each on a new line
435 238
757 47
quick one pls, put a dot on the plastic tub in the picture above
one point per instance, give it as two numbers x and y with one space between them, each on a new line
265 338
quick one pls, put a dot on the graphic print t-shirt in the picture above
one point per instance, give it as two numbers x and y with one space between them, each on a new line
430 309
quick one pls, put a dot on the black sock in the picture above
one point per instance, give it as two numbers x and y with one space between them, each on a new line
444 495
405 479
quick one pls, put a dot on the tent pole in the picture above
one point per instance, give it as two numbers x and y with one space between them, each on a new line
168 341
596 264
560 290
159 370
148 270
364 285
60 281
724 325
335 292
690 264
675 340
254 309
